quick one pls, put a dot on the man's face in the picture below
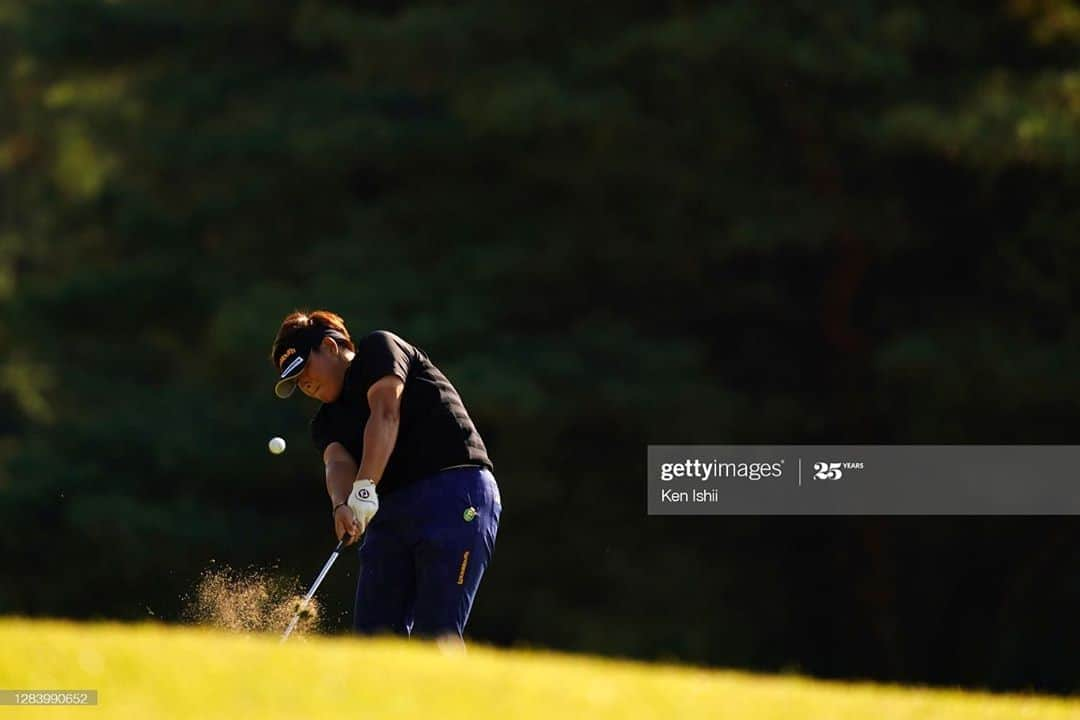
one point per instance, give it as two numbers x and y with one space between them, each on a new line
324 373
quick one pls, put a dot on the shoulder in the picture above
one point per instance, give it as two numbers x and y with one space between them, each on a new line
379 338
383 346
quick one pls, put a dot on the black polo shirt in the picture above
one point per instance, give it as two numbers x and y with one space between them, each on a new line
435 431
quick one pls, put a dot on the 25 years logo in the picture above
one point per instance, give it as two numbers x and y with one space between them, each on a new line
834 470
827 471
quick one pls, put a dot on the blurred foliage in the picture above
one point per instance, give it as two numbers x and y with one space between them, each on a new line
612 225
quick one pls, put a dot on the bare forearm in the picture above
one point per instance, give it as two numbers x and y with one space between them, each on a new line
380 434
339 479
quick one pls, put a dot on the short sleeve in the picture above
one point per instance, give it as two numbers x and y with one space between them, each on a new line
380 354
318 433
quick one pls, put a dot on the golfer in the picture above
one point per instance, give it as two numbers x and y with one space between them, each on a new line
405 468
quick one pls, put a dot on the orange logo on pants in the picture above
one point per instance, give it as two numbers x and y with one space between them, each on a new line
461 573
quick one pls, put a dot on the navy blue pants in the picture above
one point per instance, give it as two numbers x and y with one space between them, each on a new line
424 552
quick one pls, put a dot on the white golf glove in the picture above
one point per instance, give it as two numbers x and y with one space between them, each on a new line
363 502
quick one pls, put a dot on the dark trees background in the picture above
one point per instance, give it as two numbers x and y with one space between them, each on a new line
611 224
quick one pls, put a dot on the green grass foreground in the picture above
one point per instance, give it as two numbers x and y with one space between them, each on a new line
151 670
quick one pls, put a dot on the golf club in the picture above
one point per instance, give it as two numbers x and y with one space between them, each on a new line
313 588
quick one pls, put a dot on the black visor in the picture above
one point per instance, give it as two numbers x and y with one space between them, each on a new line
293 356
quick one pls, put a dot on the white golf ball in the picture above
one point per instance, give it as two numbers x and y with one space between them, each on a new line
277 445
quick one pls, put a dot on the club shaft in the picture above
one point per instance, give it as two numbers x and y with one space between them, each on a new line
288 630
311 591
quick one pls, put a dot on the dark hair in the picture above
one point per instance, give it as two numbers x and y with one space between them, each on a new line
301 319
